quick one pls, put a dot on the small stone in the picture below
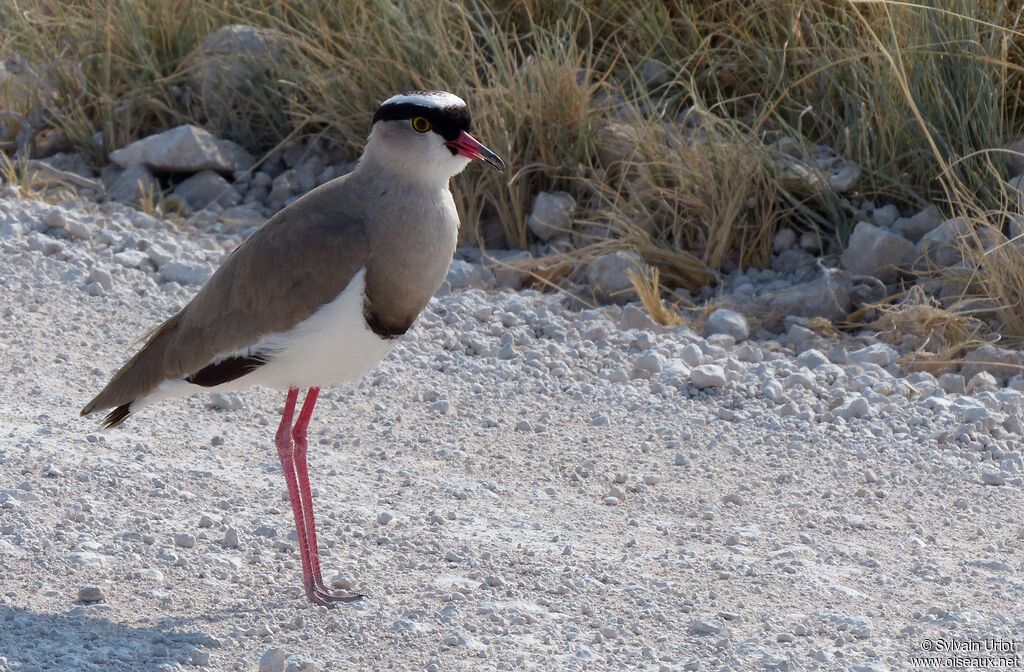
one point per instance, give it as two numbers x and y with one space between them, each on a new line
100 277
916 227
993 478
552 215
273 660
708 375
981 381
608 276
80 230
655 73
885 216
230 538
734 498
524 426
784 637
692 355
184 540
855 407
648 365
494 581
384 518
184 149
783 240
90 594
728 322
875 251
843 176
184 273
205 521
877 353
953 383
207 187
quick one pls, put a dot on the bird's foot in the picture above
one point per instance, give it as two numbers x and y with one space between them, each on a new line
325 597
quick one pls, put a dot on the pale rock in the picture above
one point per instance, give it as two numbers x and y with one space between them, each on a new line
80 230
1015 157
510 268
940 246
132 184
915 227
812 359
132 258
876 353
635 317
843 176
827 296
100 276
1002 363
875 251
885 216
233 59
854 407
648 365
207 187
692 355
981 381
465 275
272 660
655 73
708 375
728 322
953 383
184 149
552 214
783 240
185 273
608 276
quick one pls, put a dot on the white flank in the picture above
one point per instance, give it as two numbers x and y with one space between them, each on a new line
332 346
438 99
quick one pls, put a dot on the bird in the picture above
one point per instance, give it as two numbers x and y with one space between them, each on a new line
320 293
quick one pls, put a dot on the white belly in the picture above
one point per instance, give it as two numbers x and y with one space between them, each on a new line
330 347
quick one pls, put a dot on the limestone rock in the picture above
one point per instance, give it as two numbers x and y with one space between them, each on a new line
552 214
729 322
1002 363
915 227
131 184
184 149
875 251
207 187
608 276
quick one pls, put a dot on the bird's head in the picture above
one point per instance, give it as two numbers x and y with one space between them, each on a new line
425 134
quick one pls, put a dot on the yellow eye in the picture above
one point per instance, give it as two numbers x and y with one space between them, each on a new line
420 124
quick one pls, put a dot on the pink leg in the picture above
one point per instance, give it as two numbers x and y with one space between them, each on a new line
305 528
285 454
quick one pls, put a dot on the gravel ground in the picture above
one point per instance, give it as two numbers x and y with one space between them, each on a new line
518 486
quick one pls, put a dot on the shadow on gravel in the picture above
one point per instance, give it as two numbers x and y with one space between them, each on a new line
80 642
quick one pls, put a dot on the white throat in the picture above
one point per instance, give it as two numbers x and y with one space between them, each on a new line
428 162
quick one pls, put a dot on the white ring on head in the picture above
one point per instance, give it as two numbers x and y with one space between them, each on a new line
438 99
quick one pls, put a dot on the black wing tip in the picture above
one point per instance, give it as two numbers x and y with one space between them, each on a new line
117 416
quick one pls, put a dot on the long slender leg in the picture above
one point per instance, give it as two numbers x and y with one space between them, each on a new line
299 434
285 453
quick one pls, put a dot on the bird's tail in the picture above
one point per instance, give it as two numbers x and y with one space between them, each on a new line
138 377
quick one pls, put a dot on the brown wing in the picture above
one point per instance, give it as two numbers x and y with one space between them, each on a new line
299 260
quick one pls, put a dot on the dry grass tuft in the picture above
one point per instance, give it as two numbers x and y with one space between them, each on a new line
648 287
939 337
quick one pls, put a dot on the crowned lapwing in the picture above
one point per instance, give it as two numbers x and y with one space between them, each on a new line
321 292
